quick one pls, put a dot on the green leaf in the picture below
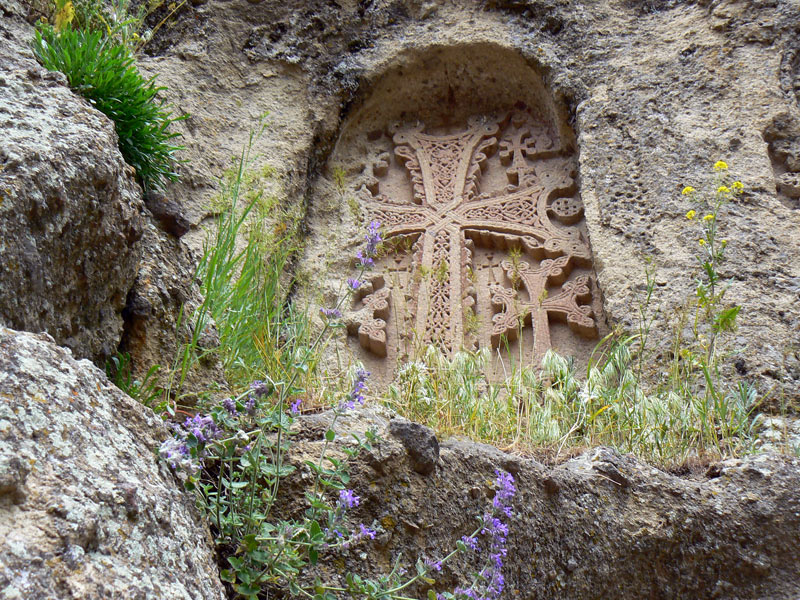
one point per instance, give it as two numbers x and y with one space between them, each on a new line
227 575
313 555
726 320
251 591
431 595
250 542
330 435
315 530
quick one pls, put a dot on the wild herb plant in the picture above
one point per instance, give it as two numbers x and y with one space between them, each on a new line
104 72
122 21
145 390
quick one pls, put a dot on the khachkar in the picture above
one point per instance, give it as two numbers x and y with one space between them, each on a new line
455 252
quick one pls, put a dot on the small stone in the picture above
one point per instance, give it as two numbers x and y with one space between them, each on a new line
420 443
169 213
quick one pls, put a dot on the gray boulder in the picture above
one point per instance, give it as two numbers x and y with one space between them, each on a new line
71 213
86 510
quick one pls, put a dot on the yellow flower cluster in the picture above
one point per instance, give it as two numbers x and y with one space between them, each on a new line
691 214
737 187
701 241
720 166
708 218
723 189
688 190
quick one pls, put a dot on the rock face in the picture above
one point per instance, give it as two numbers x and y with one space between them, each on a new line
598 526
654 93
70 211
86 511
164 284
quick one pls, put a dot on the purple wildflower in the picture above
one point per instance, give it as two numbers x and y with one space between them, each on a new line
364 260
505 491
366 532
436 565
258 390
373 238
347 499
357 392
331 313
230 405
490 582
177 455
470 542
202 428
295 407
353 284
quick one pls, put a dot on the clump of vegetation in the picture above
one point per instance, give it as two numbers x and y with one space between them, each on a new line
694 412
100 66
243 283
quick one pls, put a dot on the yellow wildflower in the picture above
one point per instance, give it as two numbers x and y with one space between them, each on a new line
690 215
737 187
701 241
723 189
724 243
720 166
688 190
708 218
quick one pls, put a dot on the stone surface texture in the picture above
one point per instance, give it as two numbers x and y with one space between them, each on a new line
86 510
153 333
70 210
600 525
655 93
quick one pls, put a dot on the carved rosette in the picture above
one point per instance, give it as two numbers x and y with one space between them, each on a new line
476 202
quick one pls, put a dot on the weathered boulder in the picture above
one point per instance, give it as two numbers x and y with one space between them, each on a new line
86 510
71 212
600 525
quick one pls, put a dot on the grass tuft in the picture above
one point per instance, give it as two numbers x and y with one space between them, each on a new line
104 72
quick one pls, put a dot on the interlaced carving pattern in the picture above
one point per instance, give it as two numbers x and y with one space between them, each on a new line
448 212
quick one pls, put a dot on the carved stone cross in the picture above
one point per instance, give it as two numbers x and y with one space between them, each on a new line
447 216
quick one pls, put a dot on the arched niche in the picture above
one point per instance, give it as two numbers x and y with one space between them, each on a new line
470 166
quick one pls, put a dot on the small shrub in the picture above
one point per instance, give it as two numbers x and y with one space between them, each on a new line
103 72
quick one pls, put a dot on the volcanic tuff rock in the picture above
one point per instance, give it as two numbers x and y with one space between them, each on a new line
600 525
655 92
70 211
86 510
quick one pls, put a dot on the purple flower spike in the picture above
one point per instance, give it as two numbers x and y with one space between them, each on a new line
202 428
295 408
348 499
357 392
373 238
331 313
229 405
470 542
436 565
366 532
353 284
364 260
